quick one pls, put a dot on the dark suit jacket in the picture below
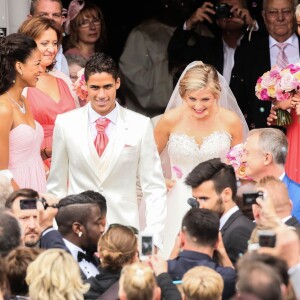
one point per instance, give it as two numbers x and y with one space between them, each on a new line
189 259
254 60
236 233
294 194
292 222
101 283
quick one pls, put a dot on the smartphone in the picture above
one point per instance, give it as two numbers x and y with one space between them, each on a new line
146 246
266 238
28 204
250 198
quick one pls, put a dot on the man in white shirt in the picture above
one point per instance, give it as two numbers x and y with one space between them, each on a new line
51 9
214 187
81 220
105 147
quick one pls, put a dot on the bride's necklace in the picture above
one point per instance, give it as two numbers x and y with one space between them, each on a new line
21 108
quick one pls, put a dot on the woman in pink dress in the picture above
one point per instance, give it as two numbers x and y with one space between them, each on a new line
20 135
53 94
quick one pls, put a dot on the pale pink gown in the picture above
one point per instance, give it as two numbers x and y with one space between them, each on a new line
25 160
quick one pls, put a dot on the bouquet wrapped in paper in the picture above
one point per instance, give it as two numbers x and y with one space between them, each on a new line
279 85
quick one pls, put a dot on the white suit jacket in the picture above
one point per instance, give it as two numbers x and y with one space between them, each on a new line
132 152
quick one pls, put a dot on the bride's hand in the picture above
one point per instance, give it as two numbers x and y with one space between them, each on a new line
295 101
297 108
272 116
170 183
286 104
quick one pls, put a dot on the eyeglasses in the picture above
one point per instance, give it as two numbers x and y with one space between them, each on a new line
86 23
133 229
274 13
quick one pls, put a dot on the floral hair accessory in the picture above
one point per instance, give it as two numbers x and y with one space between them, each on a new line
74 9
279 84
80 86
234 158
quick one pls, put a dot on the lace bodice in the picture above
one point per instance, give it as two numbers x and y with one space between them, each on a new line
185 153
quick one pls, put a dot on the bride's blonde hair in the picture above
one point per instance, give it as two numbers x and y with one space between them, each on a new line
199 77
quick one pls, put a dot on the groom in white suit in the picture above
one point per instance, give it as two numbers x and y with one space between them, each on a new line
131 153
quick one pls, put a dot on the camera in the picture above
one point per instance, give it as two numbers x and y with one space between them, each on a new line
146 246
193 203
250 198
266 238
31 203
223 11
28 204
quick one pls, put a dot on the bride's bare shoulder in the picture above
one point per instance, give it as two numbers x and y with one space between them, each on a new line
172 116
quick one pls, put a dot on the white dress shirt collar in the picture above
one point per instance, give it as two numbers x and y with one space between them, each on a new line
112 116
86 267
73 248
281 176
291 51
292 40
227 215
285 219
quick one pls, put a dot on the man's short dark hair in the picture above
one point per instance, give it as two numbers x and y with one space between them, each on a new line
10 232
24 193
99 63
202 225
77 208
221 174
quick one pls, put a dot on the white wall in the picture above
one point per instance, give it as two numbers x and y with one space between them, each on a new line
13 13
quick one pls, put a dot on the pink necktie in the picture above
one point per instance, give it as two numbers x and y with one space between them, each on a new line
282 60
101 139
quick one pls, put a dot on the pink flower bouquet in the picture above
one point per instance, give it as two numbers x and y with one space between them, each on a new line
235 159
279 84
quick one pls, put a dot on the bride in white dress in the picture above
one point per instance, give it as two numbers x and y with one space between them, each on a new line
202 121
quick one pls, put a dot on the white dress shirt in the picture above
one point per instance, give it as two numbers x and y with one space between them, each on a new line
291 50
61 62
227 215
86 267
94 116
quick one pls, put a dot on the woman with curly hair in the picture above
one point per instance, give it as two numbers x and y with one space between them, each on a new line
54 274
117 247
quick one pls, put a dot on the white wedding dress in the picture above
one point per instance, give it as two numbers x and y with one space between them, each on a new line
185 154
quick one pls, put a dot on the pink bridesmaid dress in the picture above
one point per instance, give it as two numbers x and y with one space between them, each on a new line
25 160
292 166
45 109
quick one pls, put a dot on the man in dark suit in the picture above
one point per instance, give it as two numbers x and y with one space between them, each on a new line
81 220
278 194
198 241
265 155
214 186
219 49
260 54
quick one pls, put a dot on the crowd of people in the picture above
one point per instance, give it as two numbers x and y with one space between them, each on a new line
169 143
